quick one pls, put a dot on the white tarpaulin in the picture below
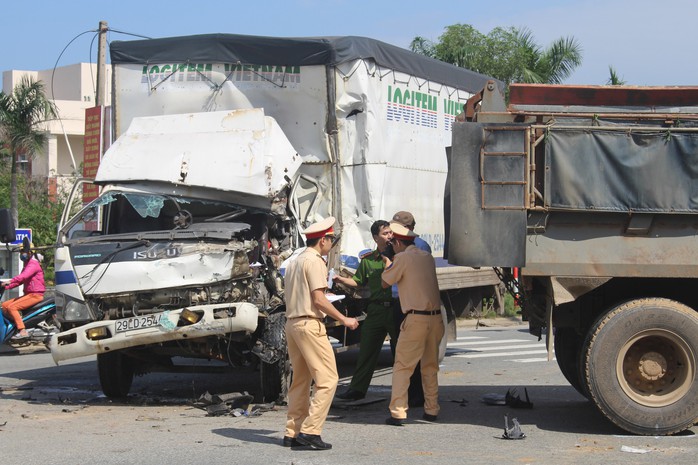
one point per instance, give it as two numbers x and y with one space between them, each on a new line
372 138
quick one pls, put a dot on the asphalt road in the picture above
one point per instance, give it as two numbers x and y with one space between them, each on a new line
56 414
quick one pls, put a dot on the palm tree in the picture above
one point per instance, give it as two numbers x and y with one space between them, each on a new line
509 54
423 46
614 79
552 65
21 114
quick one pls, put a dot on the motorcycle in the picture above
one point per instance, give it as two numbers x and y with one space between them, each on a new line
39 321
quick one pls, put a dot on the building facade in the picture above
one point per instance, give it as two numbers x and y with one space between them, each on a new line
72 89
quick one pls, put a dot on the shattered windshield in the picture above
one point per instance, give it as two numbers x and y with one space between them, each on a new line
146 205
117 212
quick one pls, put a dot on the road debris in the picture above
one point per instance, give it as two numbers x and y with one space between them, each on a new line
515 431
511 398
234 403
634 450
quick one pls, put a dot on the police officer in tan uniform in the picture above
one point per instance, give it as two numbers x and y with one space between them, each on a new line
414 272
309 349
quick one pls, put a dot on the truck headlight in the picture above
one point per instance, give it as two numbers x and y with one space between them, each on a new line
76 311
72 310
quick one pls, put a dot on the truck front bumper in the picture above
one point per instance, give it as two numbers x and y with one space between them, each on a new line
109 335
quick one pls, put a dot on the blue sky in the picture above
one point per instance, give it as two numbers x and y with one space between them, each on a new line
648 42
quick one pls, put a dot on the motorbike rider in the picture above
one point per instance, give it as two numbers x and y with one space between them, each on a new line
32 277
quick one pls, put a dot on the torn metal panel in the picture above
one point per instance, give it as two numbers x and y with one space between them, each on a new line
159 266
240 151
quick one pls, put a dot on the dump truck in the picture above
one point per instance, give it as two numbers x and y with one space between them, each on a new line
226 147
590 193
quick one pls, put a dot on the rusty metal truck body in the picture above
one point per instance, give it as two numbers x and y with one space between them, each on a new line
593 193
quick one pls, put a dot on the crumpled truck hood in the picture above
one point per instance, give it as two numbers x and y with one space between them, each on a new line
241 151
111 268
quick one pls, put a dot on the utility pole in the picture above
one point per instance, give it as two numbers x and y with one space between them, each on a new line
102 65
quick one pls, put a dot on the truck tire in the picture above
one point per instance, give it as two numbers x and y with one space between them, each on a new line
568 353
275 378
640 366
116 372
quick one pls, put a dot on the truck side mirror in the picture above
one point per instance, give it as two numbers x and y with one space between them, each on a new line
7 228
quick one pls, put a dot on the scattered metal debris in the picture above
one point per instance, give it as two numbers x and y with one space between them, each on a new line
233 403
511 398
515 431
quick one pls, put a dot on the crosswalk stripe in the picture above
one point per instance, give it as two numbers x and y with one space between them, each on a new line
529 360
507 347
501 354
486 342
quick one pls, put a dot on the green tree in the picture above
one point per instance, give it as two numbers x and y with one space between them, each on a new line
37 209
509 54
22 113
614 79
423 46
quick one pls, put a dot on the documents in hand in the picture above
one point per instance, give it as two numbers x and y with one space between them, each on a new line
334 297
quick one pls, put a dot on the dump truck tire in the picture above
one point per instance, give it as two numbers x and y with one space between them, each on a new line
640 366
568 353
275 378
116 372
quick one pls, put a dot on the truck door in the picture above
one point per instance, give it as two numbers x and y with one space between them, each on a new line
488 195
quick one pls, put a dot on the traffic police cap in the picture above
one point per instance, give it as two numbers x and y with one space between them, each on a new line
402 233
404 218
320 229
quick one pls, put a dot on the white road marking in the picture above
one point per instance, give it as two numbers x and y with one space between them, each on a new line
501 354
529 360
487 342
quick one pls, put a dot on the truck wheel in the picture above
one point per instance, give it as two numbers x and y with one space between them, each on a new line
568 353
640 366
115 373
275 378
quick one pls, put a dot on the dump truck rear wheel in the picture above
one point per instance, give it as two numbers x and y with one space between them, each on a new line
275 378
116 372
640 366
568 353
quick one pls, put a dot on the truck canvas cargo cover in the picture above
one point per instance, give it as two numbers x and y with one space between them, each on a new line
291 51
368 119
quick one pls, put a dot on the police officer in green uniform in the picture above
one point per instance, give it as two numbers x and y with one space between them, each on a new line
379 312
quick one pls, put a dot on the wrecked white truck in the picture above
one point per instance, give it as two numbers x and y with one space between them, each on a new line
226 147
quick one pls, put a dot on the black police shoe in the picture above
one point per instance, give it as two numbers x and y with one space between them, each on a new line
392 421
314 441
427 417
351 394
291 442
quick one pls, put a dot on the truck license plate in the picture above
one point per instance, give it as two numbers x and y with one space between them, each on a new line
137 322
